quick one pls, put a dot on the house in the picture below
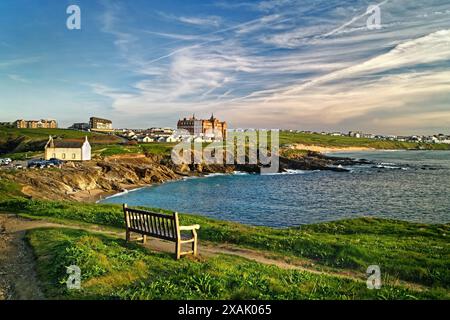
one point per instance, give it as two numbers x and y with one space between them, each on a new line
172 139
68 150
168 139
355 134
146 139
129 133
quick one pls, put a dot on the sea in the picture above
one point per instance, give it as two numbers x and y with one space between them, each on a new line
403 185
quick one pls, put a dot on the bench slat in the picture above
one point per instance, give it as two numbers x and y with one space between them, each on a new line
155 214
152 222
166 231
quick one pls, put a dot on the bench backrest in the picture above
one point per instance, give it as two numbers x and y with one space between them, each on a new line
158 225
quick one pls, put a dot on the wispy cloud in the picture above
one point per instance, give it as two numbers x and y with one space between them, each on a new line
202 21
184 37
18 62
18 78
352 21
214 21
275 63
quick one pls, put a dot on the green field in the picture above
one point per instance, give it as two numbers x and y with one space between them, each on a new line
416 253
27 143
287 138
154 148
21 141
112 270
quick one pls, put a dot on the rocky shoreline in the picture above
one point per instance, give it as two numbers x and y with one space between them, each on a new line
94 180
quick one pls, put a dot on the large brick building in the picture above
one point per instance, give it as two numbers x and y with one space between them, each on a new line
199 127
36 124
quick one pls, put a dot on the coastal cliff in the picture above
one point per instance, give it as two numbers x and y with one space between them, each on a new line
92 180
88 181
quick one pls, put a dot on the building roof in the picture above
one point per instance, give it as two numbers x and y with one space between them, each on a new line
67 144
100 120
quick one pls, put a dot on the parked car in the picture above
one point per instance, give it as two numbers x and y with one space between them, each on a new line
36 163
5 162
55 162
42 164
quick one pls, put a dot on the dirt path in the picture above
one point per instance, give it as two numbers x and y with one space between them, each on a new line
17 274
18 278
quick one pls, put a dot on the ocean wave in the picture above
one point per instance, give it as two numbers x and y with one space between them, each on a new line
240 173
291 172
392 167
124 192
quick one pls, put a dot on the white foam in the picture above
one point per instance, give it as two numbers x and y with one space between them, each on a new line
121 194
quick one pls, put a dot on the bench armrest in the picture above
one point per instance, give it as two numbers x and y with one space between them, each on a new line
190 228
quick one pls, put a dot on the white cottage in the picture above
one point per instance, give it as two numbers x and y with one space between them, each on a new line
68 150
146 139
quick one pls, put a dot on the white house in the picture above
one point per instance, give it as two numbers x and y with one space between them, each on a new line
172 139
68 150
145 139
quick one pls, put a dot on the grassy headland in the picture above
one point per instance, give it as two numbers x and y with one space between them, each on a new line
288 138
147 148
23 143
416 253
18 142
111 270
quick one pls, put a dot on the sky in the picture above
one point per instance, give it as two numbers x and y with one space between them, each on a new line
291 64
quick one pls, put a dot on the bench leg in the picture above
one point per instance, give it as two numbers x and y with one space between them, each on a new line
178 250
194 244
127 236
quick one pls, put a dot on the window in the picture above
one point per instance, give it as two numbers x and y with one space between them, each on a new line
74 156
54 155
63 155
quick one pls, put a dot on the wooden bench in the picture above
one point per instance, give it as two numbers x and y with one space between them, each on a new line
161 226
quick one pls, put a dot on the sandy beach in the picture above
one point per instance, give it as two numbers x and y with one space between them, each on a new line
321 149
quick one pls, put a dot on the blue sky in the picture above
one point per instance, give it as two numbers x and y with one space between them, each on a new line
311 65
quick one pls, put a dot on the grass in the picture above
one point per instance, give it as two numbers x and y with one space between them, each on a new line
13 140
287 138
111 270
294 153
150 148
9 190
21 144
418 253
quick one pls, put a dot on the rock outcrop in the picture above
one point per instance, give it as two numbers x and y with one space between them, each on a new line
87 181
75 180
